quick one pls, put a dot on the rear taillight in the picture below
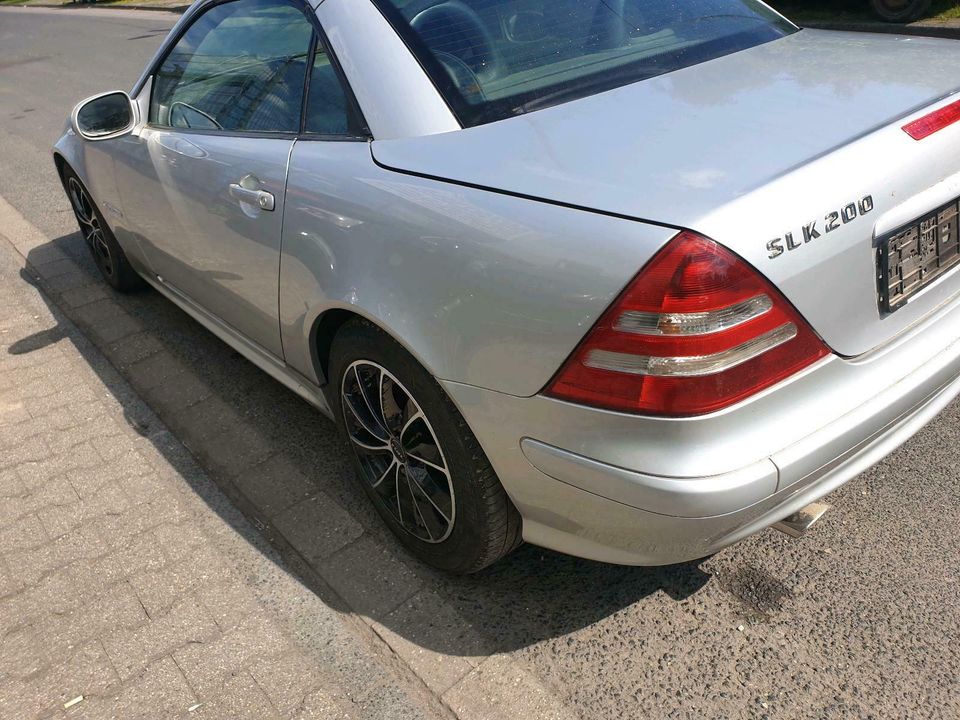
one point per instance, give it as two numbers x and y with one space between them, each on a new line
697 330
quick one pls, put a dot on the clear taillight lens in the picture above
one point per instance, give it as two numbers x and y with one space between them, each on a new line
696 331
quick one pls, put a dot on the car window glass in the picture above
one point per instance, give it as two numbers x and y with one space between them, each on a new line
240 67
493 59
327 109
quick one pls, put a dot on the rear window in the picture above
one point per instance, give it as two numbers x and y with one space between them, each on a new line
495 58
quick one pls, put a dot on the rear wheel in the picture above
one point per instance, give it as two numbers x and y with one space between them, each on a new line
106 251
900 10
414 455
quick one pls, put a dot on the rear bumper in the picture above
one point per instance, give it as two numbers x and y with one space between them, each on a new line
612 531
645 491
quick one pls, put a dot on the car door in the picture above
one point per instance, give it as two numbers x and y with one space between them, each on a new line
206 176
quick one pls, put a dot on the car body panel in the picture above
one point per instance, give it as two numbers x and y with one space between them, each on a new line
219 251
94 165
482 288
678 497
743 149
397 98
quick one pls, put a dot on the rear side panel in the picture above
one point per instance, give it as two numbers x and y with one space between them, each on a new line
483 288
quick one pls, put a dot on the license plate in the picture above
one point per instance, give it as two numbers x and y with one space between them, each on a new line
912 257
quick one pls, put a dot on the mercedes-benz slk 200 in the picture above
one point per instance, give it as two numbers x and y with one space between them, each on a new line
624 279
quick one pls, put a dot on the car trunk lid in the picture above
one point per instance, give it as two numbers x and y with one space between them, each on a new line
747 149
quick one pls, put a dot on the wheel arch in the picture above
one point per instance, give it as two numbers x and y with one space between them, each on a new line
62 164
324 329
59 161
68 152
328 323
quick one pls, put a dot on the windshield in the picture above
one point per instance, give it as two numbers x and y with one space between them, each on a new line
495 58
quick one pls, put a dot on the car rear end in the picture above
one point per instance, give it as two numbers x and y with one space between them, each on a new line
640 489
713 399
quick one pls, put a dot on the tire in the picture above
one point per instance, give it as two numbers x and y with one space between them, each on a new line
415 456
106 251
900 10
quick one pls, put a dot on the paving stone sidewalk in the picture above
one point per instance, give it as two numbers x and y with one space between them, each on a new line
129 586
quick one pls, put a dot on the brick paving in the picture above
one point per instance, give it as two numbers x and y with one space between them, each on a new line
380 625
125 579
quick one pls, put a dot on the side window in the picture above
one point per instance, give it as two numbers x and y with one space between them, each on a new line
240 66
328 111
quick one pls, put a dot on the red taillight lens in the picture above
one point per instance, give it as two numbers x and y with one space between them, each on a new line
934 122
697 330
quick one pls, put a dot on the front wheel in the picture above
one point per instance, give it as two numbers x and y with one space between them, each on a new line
414 455
900 10
106 251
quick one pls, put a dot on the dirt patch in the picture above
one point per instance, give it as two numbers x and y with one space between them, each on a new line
757 590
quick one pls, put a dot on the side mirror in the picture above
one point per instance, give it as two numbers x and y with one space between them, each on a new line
104 116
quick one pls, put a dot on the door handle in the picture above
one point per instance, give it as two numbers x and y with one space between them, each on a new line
259 198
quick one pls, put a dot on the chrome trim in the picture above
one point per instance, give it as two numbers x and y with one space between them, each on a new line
258 198
693 323
797 524
134 117
694 365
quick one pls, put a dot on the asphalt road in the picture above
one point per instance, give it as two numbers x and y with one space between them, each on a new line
859 619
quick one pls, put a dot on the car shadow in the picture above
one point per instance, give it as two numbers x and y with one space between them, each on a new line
253 437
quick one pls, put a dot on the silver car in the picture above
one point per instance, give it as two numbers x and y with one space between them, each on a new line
626 279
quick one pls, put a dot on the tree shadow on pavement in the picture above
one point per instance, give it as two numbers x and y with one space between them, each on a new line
283 465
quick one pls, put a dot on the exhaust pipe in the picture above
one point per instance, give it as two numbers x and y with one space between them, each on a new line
796 525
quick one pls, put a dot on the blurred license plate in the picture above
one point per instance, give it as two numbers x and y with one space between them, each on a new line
914 256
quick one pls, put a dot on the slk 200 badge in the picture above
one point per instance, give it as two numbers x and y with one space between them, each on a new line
831 221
